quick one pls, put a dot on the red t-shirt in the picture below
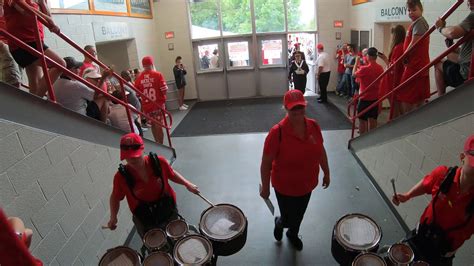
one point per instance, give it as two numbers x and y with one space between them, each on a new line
295 168
392 79
146 191
340 62
450 208
152 84
366 75
21 26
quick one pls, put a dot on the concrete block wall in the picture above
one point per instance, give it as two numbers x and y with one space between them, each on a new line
408 159
60 187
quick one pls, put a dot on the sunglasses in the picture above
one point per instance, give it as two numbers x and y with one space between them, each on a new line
471 152
133 147
298 107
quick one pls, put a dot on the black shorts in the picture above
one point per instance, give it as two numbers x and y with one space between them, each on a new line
451 74
372 113
93 110
23 57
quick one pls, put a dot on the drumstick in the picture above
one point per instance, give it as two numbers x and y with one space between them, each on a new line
105 227
394 189
206 200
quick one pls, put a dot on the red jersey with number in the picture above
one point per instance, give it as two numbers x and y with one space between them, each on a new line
450 208
152 83
366 75
20 25
295 169
145 191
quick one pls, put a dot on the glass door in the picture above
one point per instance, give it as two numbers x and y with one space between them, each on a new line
240 67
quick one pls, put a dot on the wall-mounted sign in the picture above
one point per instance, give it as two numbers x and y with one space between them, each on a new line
338 35
356 2
338 24
110 31
169 35
170 46
394 12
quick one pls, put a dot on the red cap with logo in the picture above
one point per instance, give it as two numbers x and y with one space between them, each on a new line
147 61
131 146
293 98
469 150
320 46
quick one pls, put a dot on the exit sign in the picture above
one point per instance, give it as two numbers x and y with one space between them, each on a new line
338 24
169 35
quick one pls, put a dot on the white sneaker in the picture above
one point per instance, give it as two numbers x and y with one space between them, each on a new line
183 108
185 105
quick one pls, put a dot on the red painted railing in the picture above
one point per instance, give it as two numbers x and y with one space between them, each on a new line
353 102
45 61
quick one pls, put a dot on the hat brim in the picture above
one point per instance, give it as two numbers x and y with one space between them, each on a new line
97 76
129 154
293 104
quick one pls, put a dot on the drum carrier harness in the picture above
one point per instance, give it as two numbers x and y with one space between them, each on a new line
430 238
151 214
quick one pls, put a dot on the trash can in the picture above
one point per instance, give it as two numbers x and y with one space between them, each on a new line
172 102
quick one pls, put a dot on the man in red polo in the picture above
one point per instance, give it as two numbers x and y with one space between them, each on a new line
152 83
449 215
366 75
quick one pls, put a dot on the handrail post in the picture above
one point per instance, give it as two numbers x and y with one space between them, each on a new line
125 100
40 48
471 73
165 121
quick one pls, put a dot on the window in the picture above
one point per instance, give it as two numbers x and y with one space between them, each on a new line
301 15
238 54
209 56
204 19
70 4
272 52
269 15
236 17
111 5
141 7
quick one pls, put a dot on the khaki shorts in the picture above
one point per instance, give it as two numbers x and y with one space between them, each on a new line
9 71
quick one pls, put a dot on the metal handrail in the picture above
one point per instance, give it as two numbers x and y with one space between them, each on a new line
401 58
44 59
421 71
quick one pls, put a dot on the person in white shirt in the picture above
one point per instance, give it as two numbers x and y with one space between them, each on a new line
323 72
214 63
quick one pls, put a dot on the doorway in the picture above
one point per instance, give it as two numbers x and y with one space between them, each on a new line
306 43
127 59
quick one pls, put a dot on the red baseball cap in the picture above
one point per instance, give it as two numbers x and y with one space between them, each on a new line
469 150
131 146
320 46
147 61
293 98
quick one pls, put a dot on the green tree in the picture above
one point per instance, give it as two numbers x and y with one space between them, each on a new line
269 15
236 16
205 14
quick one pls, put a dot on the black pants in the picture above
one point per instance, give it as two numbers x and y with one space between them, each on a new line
416 242
292 210
323 85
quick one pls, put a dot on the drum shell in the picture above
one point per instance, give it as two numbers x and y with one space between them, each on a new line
168 256
229 246
161 247
392 261
178 260
382 261
175 238
346 255
103 260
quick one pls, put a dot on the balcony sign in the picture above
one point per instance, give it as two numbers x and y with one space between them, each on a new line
395 12
110 31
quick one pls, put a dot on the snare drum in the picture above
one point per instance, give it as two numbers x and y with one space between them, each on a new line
368 259
352 235
399 254
155 240
121 256
176 229
193 250
158 258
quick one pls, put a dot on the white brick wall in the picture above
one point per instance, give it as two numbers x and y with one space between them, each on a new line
412 157
60 187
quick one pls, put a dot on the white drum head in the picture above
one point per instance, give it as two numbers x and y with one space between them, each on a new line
401 254
158 259
120 256
154 239
368 259
222 222
193 249
177 229
357 232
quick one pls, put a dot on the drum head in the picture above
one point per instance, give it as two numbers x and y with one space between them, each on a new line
120 256
368 259
154 239
158 259
193 249
177 229
222 222
357 232
401 254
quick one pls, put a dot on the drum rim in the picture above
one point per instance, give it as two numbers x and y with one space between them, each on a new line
167 255
151 230
412 257
369 253
205 233
208 257
139 258
365 216
177 220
